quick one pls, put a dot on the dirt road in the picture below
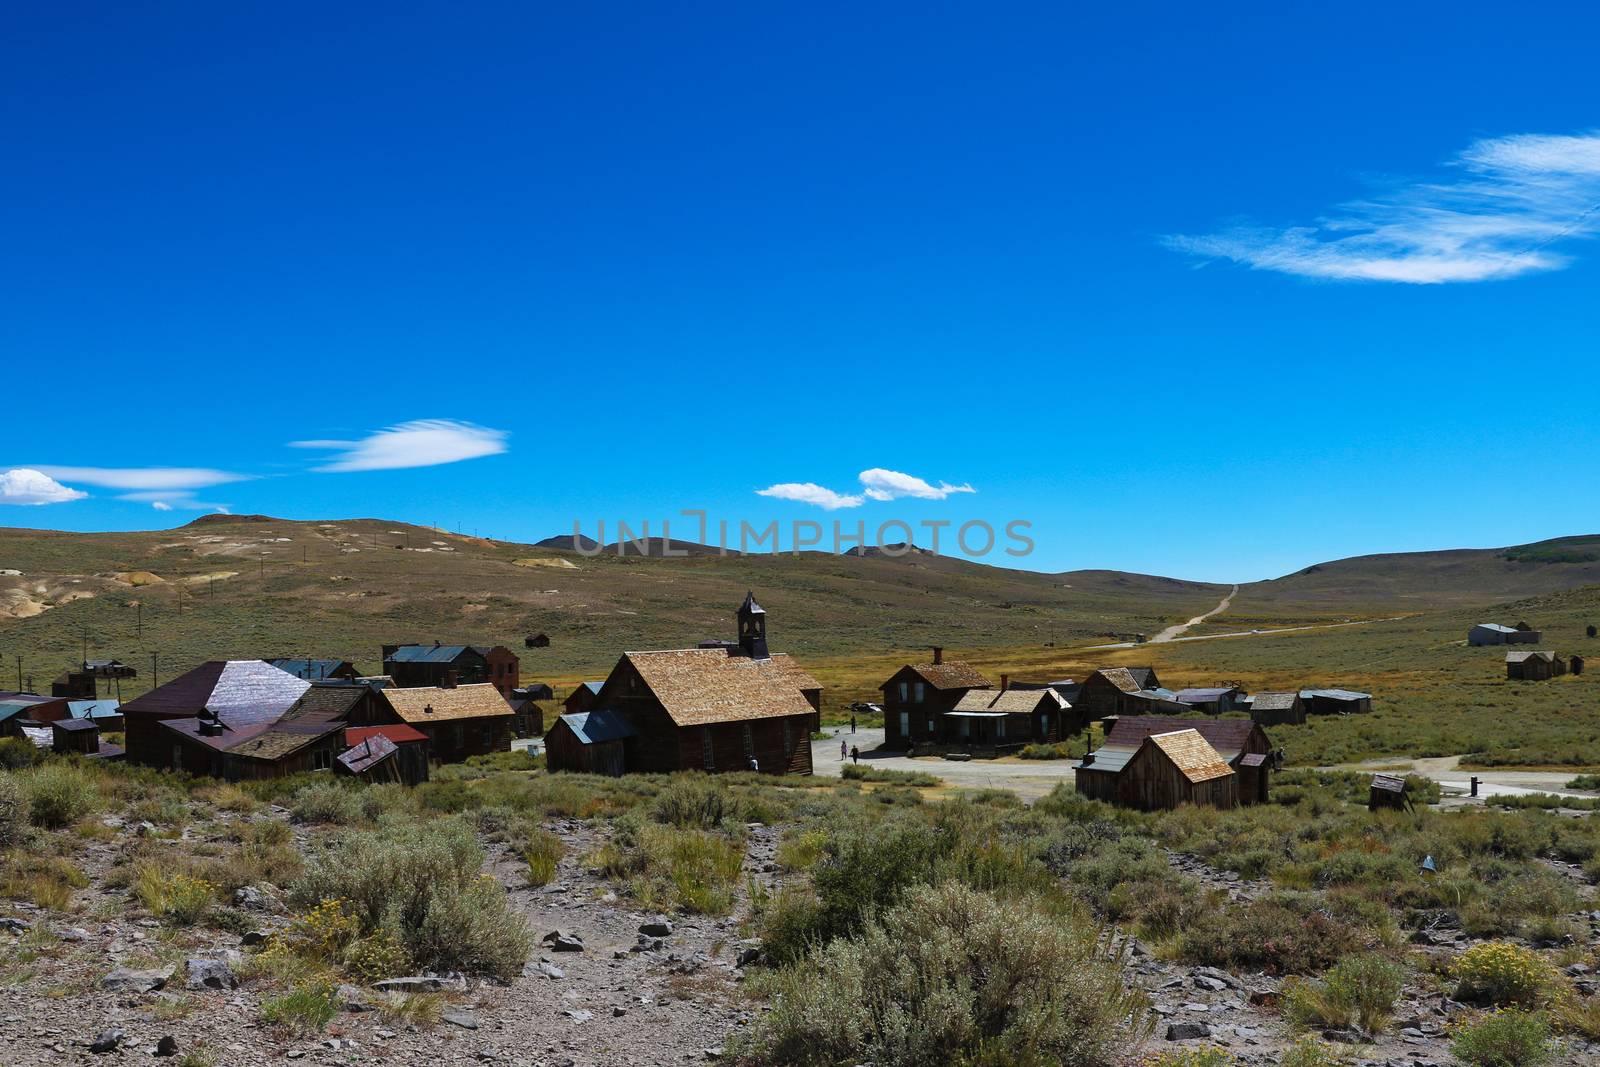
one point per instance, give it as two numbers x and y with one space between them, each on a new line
1457 783
1173 632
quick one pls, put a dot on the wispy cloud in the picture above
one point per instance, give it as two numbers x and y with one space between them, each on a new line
811 493
876 484
161 505
1517 199
423 443
24 485
143 478
888 485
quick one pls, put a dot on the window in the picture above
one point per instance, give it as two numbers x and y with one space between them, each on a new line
788 742
905 692
322 759
705 748
999 729
920 691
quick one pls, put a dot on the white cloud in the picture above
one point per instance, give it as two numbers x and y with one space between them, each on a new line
24 485
811 493
888 485
1519 197
160 505
423 443
877 484
150 479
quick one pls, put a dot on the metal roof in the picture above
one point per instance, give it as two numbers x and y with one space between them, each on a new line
975 714
1334 694
1203 696
75 724
1496 627
1111 759
428 653
596 727
93 709
312 670
397 732
368 754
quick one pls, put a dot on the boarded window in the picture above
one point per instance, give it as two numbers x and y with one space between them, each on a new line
705 748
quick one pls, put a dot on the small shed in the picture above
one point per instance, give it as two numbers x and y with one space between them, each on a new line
1278 709
1176 768
81 736
369 753
1213 700
537 641
1389 791
1490 633
1335 701
1535 666
595 742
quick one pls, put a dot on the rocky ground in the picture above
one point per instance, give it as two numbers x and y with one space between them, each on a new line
611 985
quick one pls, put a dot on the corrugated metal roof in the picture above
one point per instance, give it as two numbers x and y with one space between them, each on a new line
1334 694
1496 627
1110 758
428 653
398 732
976 714
312 670
1203 696
241 692
596 727
368 754
93 709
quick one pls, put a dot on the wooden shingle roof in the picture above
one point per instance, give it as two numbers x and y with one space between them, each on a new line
427 704
951 674
698 686
1121 677
1223 735
1188 751
1275 701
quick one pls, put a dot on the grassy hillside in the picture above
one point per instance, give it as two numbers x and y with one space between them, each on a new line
233 586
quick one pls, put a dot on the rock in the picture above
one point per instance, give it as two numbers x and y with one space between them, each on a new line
563 941
1578 970
257 898
1215 985
411 984
1187 1031
1344 1035
550 971
209 974
76 933
167 1046
618 1012
123 980
1216 974
1265 998
353 998
656 928
578 1015
106 1042
648 944
747 956
16 926
254 937
461 1019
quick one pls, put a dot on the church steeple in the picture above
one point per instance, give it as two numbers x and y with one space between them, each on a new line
752 628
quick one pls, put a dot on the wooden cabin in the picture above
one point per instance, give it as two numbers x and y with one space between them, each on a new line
1241 743
318 670
1277 709
1534 666
917 695
1165 770
17 708
464 721
581 699
594 742
1389 791
986 720
1113 691
440 666
241 693
536 641
1335 702
1213 700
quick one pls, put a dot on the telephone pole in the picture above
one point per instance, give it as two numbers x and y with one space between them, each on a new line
155 679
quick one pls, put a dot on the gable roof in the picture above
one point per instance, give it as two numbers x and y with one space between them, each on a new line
1274 701
1223 735
326 703
1496 627
71 725
596 727
1189 752
1204 695
430 653
1027 701
276 742
1334 694
432 704
705 685
951 674
240 691
1121 677
1524 656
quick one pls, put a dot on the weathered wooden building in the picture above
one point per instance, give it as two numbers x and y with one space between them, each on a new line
1389 791
1112 691
391 753
106 714
1213 700
18 708
318 670
581 699
917 695
595 742
1165 770
1534 666
1241 743
421 666
240 694
527 716
1335 701
467 720
1278 709
989 721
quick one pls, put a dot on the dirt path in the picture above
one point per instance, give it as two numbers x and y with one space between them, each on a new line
1254 633
1457 783
1173 632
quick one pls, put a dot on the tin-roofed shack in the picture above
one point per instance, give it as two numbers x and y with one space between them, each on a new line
595 742
421 666
1115 691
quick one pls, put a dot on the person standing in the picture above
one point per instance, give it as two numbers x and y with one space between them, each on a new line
855 754
841 749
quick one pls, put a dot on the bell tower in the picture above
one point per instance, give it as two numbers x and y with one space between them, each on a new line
752 628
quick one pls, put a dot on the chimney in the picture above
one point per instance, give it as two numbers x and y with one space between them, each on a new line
1005 682
938 655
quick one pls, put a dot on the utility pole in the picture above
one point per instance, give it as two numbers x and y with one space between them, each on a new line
19 674
155 679
138 606
213 589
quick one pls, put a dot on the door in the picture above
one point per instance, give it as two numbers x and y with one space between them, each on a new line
905 726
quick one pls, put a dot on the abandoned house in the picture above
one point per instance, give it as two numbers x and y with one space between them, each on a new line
318 670
81 737
1162 771
917 695
1389 791
420 666
527 717
18 708
595 742
1534 666
390 753
467 720
581 699
1240 743
1111 691
1335 702
240 693
536 641
711 709
1213 701
1493 633
1277 709
986 721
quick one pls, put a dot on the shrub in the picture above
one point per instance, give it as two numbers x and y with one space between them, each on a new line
952 975
1060 750
861 772
542 852
1507 1038
59 795
1189 1057
18 752
800 852
1357 991
1277 935
328 802
13 811
423 884
1501 974
690 870
693 800
304 1010
1572 1014
1309 1052
180 898
47 882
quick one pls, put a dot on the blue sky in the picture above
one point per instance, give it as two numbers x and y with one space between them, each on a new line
1201 293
